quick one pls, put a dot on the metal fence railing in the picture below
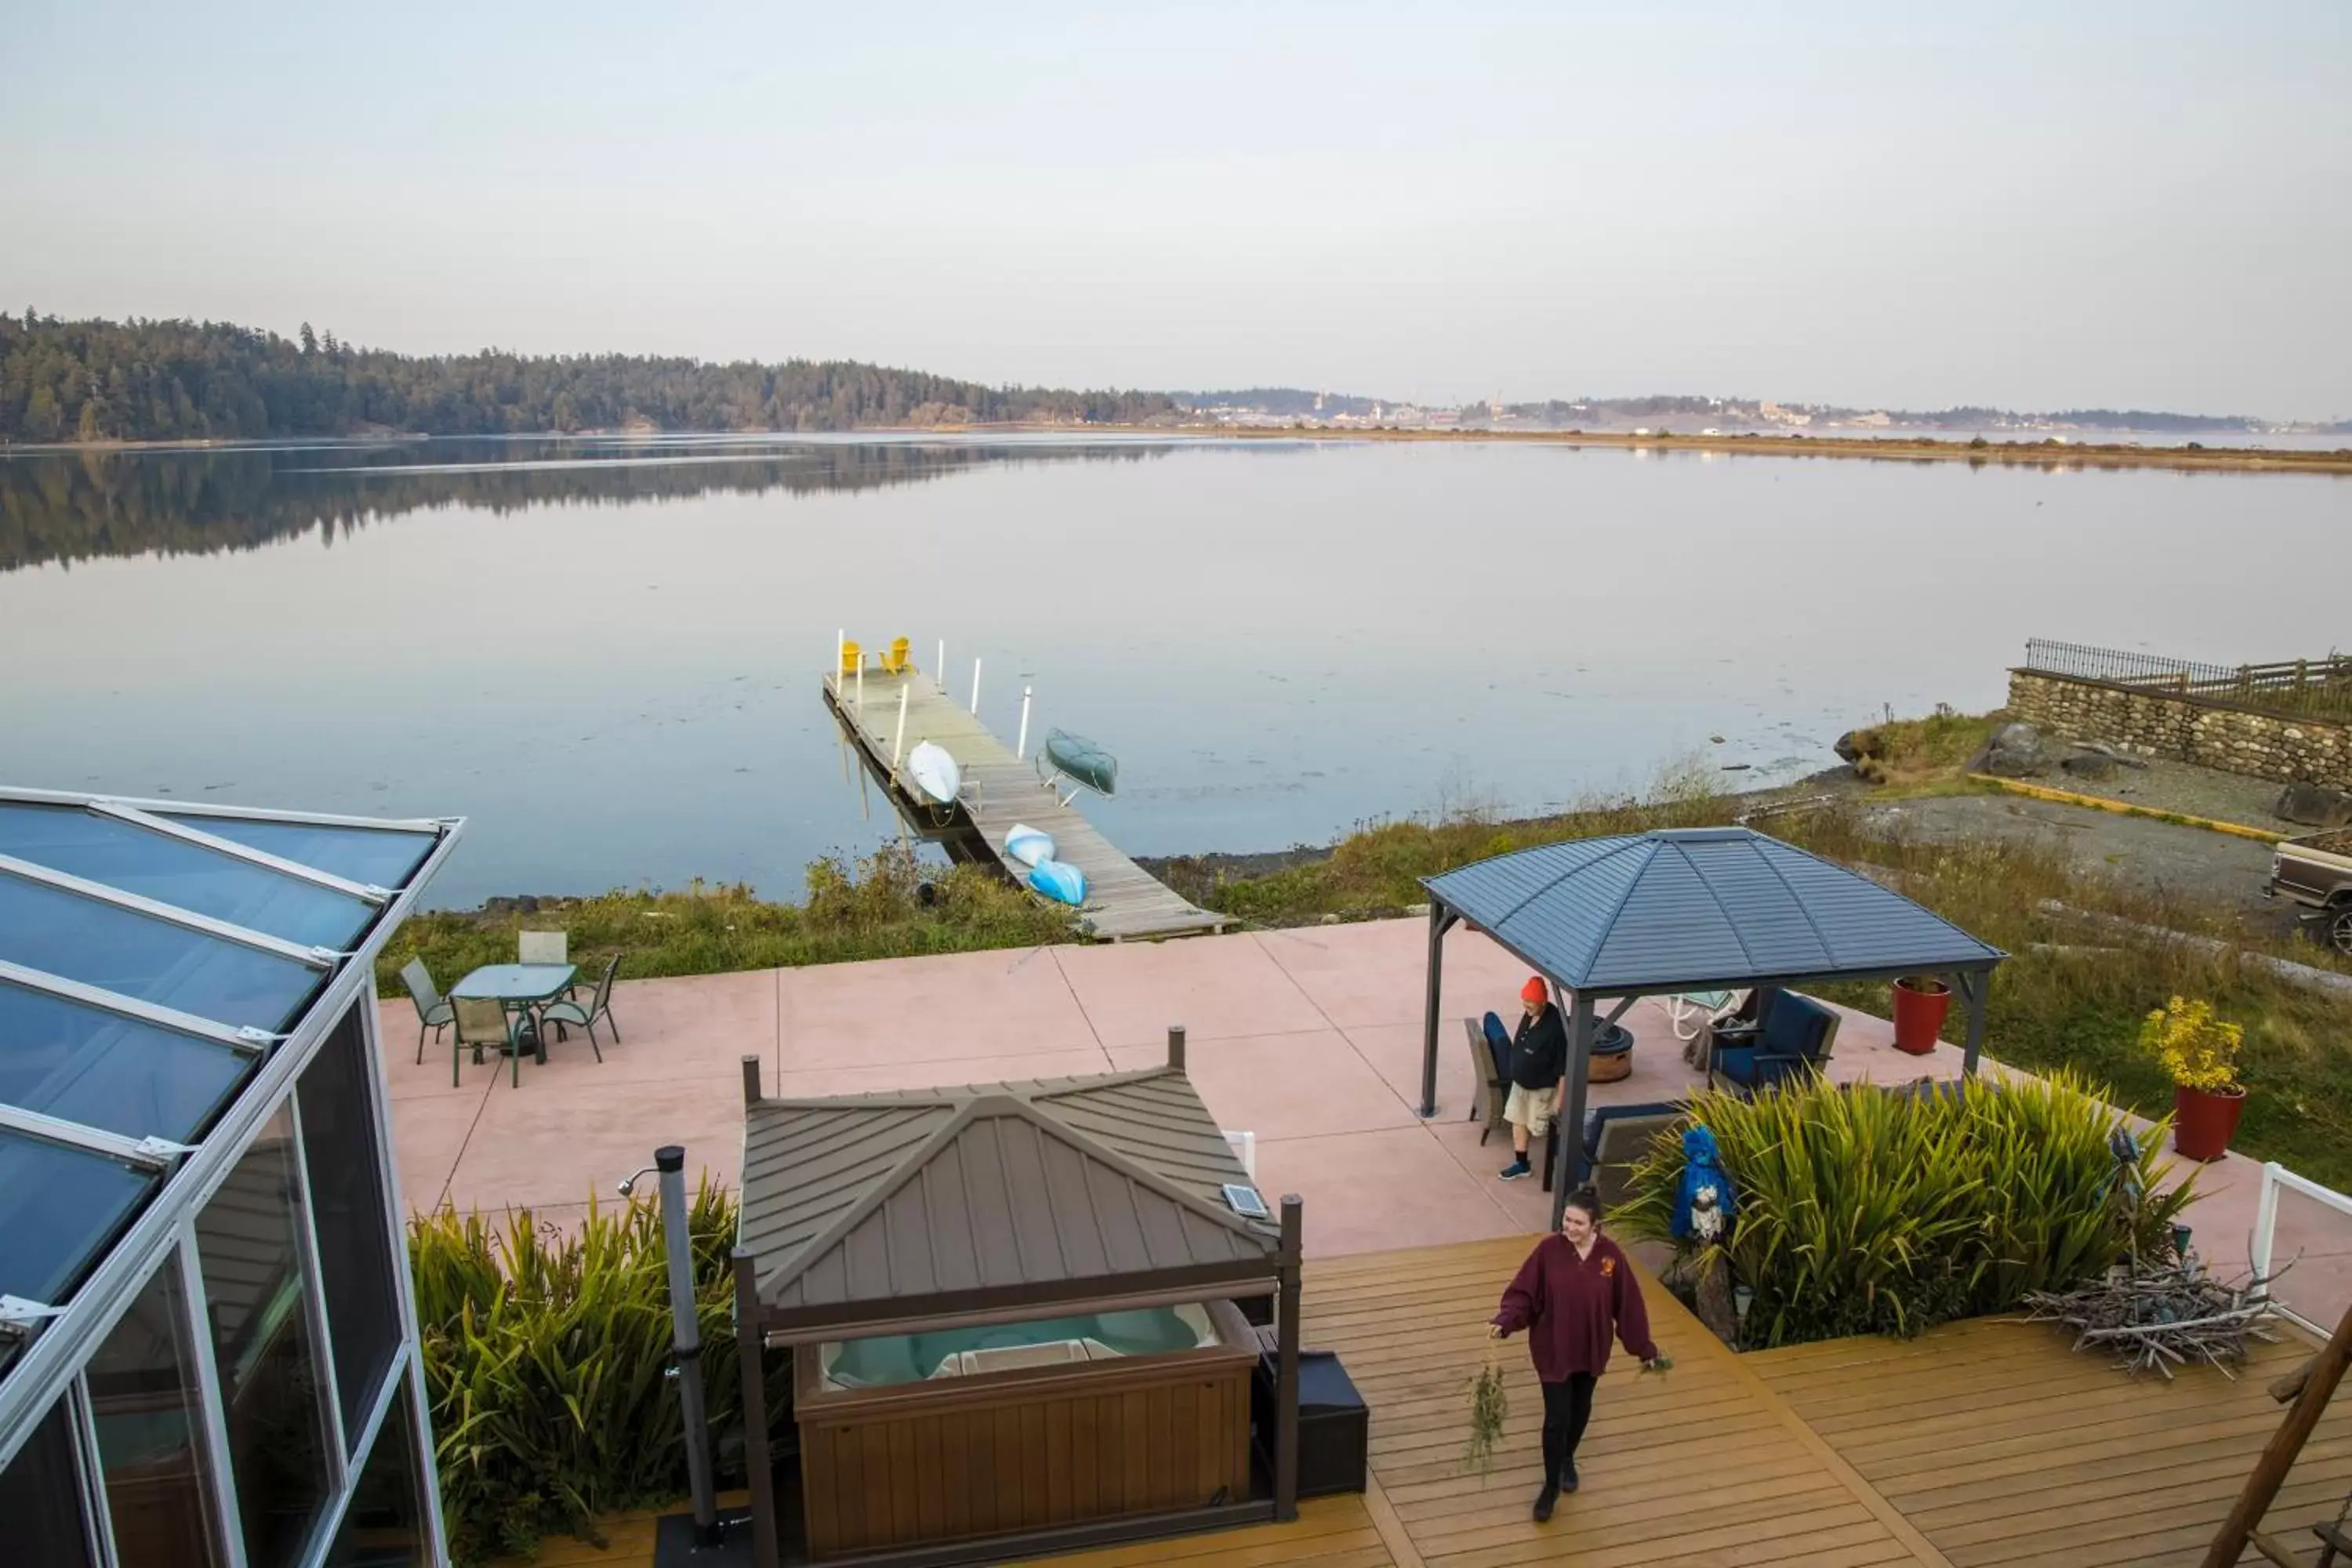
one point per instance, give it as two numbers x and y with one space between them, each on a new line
2318 687
2325 1247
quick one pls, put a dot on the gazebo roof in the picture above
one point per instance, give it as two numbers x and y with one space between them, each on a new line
894 1209
1698 909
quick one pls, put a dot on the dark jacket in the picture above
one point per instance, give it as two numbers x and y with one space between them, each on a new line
1572 1307
1539 1050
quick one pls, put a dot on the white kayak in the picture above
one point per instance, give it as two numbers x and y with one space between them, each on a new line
934 772
1061 882
1030 845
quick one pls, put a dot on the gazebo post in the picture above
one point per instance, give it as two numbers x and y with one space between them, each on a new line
1285 1363
1975 983
1440 917
1571 1120
751 1362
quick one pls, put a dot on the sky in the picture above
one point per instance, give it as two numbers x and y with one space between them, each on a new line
2028 207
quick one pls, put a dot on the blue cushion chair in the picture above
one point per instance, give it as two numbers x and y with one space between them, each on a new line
1792 1037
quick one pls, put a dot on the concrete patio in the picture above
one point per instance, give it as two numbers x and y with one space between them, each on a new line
1309 1038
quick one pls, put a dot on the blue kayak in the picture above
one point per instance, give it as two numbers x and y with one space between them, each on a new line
1060 881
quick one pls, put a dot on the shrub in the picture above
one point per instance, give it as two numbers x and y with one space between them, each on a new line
544 1354
1864 1211
2195 1049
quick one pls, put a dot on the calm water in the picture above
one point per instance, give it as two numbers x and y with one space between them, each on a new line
606 653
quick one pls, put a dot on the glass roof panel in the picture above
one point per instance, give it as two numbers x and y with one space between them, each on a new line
137 956
383 856
59 1209
123 855
117 1074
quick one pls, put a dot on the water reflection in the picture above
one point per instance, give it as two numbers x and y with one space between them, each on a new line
60 507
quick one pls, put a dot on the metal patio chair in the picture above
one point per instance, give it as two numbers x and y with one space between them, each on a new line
432 1008
483 1021
585 1014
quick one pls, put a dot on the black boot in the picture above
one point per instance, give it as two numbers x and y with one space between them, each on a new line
1544 1499
1550 1493
1567 1475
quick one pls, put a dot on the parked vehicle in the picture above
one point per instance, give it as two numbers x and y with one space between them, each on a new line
2315 872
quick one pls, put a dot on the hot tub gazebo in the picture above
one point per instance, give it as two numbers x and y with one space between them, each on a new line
207 1337
1011 1309
1680 910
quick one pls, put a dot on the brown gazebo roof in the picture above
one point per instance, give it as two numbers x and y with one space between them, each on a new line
870 1209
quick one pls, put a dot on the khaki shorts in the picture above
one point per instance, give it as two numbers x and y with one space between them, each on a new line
1530 1109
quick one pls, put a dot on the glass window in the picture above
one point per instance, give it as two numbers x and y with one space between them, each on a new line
142 1401
59 1208
62 933
382 856
104 1070
385 1526
40 1497
122 855
247 1245
355 1247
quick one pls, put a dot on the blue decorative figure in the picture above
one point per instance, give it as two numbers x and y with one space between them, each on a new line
1705 1201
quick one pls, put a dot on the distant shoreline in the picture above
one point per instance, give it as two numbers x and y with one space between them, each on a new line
2045 453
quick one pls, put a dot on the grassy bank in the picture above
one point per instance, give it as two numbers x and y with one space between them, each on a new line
887 905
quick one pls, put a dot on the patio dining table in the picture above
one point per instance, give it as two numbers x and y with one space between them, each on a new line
527 987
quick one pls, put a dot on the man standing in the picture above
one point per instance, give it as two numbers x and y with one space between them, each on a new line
1538 1059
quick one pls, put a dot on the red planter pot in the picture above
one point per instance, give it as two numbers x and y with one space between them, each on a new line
2203 1122
1919 1009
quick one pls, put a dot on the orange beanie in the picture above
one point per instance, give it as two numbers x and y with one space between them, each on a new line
1533 991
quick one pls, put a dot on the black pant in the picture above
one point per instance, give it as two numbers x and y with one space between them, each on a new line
1567 1407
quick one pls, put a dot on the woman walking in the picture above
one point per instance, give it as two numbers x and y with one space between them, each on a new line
1574 1294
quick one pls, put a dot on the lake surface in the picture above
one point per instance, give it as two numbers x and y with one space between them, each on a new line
606 653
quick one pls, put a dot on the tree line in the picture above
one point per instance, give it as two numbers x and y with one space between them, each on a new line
164 381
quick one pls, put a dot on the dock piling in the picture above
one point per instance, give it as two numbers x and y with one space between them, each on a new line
899 741
1021 743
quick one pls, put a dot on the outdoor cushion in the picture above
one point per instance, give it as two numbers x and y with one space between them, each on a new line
1499 1042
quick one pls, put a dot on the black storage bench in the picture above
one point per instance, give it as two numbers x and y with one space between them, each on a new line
1334 1430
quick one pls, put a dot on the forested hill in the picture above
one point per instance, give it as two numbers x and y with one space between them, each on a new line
163 381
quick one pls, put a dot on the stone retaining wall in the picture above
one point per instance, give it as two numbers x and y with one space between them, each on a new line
2185 728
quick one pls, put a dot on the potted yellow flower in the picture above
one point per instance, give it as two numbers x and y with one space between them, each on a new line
2200 1053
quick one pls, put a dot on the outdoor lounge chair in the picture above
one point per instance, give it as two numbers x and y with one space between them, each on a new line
1615 1137
432 1007
483 1021
1792 1036
1490 1071
1695 1011
585 1014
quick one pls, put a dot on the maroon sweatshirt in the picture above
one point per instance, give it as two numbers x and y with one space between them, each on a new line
1571 1307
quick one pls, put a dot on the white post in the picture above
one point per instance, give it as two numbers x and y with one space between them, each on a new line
840 641
939 670
975 687
861 687
1021 746
900 741
2258 1256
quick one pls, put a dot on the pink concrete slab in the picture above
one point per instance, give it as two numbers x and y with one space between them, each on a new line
405 1078
1215 986
884 1076
1370 1192
937 1008
680 1026
1376 972
428 1135
1524 1204
555 1144
1282 1085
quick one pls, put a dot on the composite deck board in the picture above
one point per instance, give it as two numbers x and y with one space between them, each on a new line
1124 902
1981 1445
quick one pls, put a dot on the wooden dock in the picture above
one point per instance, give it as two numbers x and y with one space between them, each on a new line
1124 902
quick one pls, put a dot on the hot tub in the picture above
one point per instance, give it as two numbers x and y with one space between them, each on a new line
951 1433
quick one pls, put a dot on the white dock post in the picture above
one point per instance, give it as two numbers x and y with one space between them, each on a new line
939 670
1021 745
975 687
840 641
898 741
861 686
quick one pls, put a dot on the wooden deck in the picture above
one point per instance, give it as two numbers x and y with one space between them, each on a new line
1124 902
1983 1444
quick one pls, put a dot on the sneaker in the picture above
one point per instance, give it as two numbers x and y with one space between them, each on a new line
1544 1499
1568 1477
1515 1169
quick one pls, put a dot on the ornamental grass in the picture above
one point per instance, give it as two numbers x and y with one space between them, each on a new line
1865 1211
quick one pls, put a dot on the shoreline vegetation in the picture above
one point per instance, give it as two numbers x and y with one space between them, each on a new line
2090 955
1978 451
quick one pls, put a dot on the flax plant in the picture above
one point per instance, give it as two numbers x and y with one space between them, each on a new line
1865 1211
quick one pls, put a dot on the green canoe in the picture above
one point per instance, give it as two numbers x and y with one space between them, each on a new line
1082 760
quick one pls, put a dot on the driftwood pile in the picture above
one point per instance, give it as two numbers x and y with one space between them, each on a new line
2154 1316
